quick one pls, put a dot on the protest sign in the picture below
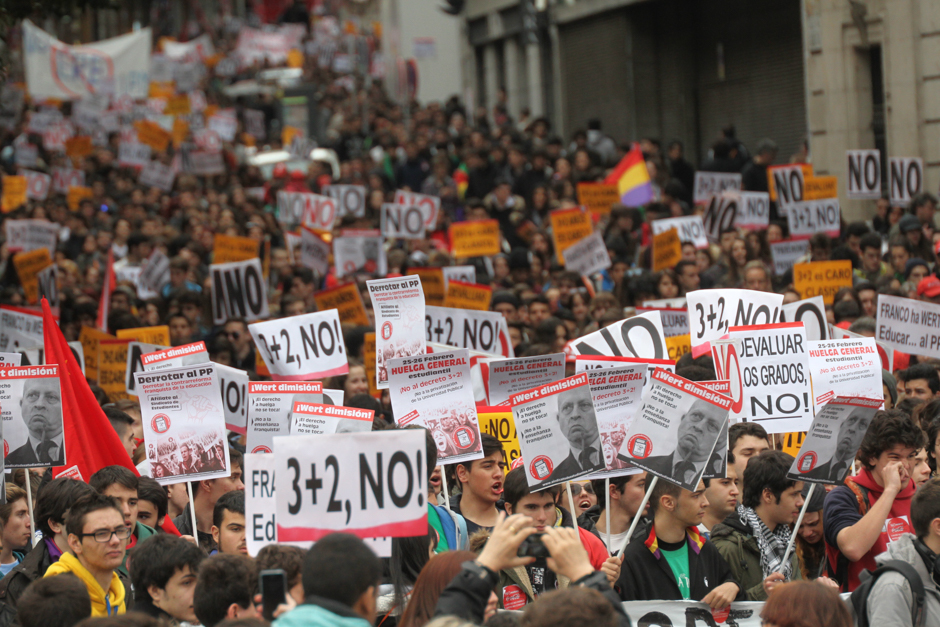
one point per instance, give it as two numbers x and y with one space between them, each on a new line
19 328
692 613
112 368
378 477
429 206
184 424
720 215
885 352
314 251
598 197
28 265
483 331
64 178
461 295
846 367
233 385
712 312
587 256
785 253
350 199
832 441
467 274
711 184
37 356
805 219
154 272
667 249
690 228
399 310
155 174
347 301
505 377
498 422
678 345
312 210
432 282
37 184
402 221
151 335
177 105
78 147
25 154
673 435
905 179
558 431
205 163
569 226
10 359
323 419
238 291
270 405
616 394
786 183
229 248
135 350
479 238
14 193
115 66
589 363
908 325
863 172
369 358
89 338
76 195
301 348
133 154
639 336
225 123
743 210
674 321
359 253
260 525
820 187
48 279
32 417
812 313
176 357
153 135
822 278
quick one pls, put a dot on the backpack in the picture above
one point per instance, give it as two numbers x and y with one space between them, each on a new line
859 598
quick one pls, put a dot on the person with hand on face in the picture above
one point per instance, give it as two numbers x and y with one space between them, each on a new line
164 577
675 562
851 431
41 410
873 507
228 523
121 484
16 528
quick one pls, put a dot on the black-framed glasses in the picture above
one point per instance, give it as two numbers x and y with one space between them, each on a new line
103 536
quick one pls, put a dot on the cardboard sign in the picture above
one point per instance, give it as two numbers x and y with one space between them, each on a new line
349 465
675 433
667 249
908 325
569 226
32 413
587 256
150 335
832 441
483 331
820 187
231 248
78 147
28 266
812 313
863 172
786 252
429 206
312 210
713 312
805 219
616 394
238 291
905 179
402 221
461 295
347 301
90 337
785 182
432 282
14 193
350 199
155 174
302 348
76 195
260 520
691 229
435 392
399 309
360 253
505 377
822 278
184 424
64 178
314 251
641 336
711 184
474 239
599 198
498 422
324 419
270 406
846 367
112 367
37 184
176 357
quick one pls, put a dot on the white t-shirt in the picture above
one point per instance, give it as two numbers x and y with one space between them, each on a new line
616 541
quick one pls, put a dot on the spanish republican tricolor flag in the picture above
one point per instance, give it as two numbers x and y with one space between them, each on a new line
632 179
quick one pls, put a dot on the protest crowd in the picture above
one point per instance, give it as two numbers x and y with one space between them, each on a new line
444 367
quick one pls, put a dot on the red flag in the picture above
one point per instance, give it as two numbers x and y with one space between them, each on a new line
104 305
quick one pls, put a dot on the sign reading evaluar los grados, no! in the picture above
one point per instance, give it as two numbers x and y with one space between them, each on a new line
398 307
184 424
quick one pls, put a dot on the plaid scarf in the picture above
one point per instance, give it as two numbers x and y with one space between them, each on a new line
772 545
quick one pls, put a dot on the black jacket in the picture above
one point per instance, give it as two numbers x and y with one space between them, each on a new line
646 576
184 524
33 567
588 522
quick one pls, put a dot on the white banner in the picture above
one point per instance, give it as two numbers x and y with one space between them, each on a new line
359 253
690 229
908 325
116 66
587 256
709 184
238 291
639 336
302 348
713 312
505 377
260 527
848 367
807 218
812 313
399 307
26 235
484 331
270 405
786 252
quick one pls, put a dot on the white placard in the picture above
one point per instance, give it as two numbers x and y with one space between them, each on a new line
155 271
616 393
430 206
359 253
846 367
505 377
466 274
812 313
484 331
26 235
753 210
155 174
19 328
301 348
270 405
713 312
402 221
135 352
399 308
786 252
323 419
863 173
32 418
10 359
350 199
905 179
639 336
133 154
311 210
908 325
690 229
238 291
64 178
233 385
789 184
314 252
674 321
176 357
710 184
37 184
260 526
805 219
587 256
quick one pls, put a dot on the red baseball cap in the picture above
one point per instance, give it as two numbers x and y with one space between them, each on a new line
929 286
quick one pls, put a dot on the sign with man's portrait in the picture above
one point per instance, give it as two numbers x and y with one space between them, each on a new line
31 406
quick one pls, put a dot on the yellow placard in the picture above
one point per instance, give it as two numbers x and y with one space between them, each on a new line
159 335
368 357
347 301
772 188
569 226
229 248
598 197
462 295
28 266
288 133
822 278
153 135
90 339
432 283
209 111
499 423
295 58
667 249
78 146
792 442
76 195
112 368
163 90
474 239
180 131
820 187
177 105
678 345
14 193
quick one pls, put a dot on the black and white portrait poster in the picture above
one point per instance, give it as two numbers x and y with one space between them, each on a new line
31 406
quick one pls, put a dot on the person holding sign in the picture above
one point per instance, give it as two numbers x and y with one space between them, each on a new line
578 423
698 430
851 431
41 411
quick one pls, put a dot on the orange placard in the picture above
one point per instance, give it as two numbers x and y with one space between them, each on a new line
598 197
162 90
28 266
667 250
295 58
347 301
474 239
288 133
14 193
112 368
820 187
78 146
432 282
159 335
368 358
180 131
462 295
153 135
90 337
772 187
229 248
822 278
569 226
76 195
177 105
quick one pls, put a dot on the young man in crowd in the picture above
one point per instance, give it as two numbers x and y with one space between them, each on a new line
164 577
675 562
16 528
152 503
746 440
624 498
922 382
228 523
206 494
121 484
722 496
481 486
123 425
97 542
753 539
225 588
857 515
54 602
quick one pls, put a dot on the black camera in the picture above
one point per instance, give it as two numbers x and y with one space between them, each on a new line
533 547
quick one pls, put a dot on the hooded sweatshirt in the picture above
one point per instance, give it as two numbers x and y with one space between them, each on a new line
842 510
890 599
110 604
319 612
